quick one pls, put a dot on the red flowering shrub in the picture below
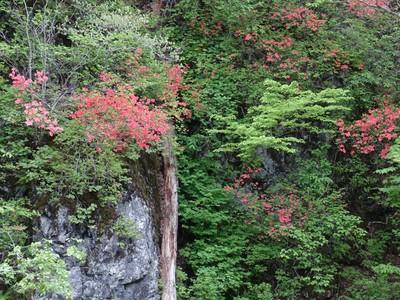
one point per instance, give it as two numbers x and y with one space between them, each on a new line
374 132
120 117
105 77
36 114
338 60
282 210
175 82
277 53
366 7
175 79
207 29
285 215
299 17
168 83
19 81
172 103
41 77
272 48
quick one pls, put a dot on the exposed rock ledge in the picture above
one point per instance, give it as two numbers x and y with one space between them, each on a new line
110 272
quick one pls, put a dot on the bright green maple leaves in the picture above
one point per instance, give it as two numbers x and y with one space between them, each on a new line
284 116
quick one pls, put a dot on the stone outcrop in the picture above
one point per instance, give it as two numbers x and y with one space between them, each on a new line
111 270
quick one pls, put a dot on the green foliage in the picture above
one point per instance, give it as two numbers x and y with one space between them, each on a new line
226 74
38 269
72 170
5 295
206 210
125 228
14 217
311 259
228 249
313 183
182 292
392 182
381 283
262 291
83 215
72 43
76 252
107 32
15 138
285 111
305 260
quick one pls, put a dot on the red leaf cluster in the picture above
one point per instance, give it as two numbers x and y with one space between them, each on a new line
175 81
272 47
299 17
120 117
281 210
363 8
374 132
338 60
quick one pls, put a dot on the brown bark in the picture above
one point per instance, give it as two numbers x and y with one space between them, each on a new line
169 223
156 6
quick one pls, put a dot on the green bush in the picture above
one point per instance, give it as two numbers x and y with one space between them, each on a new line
284 112
71 169
38 269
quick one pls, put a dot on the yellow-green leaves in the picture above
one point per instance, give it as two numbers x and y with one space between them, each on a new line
285 114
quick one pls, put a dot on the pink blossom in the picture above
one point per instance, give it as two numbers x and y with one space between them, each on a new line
385 151
19 81
267 206
344 67
367 7
285 215
138 52
37 115
104 77
40 77
248 37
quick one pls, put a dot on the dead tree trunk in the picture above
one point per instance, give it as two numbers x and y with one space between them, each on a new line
169 223
156 7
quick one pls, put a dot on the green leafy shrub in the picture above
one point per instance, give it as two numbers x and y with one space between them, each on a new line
313 252
84 215
38 269
76 252
79 46
71 169
14 221
125 228
310 261
382 282
284 112
392 181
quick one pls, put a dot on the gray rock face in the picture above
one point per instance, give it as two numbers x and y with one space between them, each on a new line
111 270
273 166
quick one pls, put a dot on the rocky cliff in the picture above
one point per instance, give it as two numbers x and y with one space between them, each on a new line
113 268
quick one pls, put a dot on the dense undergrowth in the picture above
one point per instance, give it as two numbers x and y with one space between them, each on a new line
287 190
286 119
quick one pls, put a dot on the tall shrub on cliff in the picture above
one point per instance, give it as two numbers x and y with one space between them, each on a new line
87 93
